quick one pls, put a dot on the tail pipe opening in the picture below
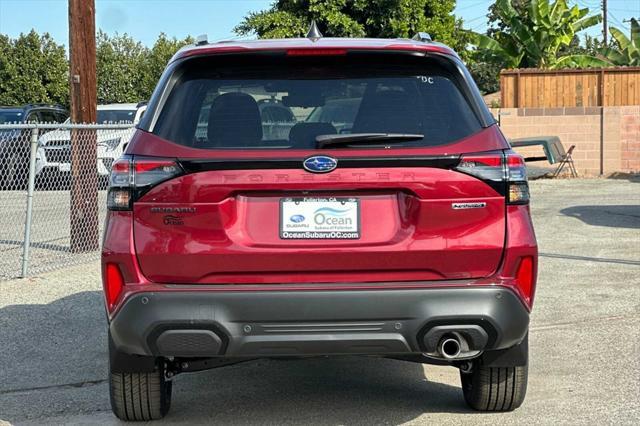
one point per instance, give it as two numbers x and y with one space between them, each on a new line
450 347
454 342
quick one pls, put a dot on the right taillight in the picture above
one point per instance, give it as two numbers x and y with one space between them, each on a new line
131 177
517 185
504 171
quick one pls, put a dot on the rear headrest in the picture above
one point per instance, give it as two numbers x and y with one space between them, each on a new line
388 111
303 135
234 121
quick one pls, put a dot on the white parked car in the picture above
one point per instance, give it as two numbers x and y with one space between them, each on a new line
54 148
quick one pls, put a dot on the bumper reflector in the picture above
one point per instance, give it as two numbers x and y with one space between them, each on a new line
524 278
114 283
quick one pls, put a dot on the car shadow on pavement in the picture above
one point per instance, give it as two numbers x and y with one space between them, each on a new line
616 216
349 390
54 361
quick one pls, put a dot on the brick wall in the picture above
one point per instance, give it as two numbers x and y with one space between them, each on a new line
630 138
581 126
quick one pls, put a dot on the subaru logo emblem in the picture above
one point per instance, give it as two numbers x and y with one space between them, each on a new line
320 164
297 218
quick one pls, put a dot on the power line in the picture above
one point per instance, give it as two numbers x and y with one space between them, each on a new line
583 3
618 22
590 4
474 19
626 10
470 6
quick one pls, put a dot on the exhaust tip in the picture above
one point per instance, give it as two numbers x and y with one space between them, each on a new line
449 347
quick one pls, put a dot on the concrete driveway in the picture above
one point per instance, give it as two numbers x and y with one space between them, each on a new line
585 343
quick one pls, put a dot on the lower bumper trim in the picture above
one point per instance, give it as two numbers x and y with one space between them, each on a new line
310 323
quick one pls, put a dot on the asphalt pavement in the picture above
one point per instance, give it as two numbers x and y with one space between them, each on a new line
584 343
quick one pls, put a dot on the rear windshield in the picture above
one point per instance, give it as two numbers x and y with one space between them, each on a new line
288 103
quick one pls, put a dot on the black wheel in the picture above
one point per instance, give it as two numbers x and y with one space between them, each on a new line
494 388
140 396
14 166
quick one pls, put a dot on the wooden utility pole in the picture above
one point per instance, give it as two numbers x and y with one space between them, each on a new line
605 29
82 76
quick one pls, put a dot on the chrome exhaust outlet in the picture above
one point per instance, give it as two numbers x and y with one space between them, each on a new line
454 342
449 347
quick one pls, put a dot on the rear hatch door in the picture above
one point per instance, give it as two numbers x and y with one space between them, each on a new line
262 202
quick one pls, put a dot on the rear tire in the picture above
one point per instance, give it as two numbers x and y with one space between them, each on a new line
140 396
494 388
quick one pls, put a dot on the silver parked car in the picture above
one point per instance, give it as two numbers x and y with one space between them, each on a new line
54 148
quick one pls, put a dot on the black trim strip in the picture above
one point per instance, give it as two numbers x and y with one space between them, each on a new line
203 165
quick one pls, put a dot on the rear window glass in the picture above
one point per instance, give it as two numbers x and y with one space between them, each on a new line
286 105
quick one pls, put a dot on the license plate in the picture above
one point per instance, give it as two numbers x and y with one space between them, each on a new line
319 218
64 167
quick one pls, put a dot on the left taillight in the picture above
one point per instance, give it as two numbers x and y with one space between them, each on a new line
131 177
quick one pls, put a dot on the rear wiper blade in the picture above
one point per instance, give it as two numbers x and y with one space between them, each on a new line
336 140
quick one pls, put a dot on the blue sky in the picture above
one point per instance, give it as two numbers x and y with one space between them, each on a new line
145 19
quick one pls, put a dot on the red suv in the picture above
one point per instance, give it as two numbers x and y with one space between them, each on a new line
395 223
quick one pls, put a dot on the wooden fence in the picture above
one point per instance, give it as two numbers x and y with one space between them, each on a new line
593 87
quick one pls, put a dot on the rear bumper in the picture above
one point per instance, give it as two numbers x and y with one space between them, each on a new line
190 323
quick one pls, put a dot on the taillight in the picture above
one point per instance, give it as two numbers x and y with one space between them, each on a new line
498 169
131 177
518 188
488 167
113 284
525 277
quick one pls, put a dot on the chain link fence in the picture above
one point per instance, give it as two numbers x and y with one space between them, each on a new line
53 181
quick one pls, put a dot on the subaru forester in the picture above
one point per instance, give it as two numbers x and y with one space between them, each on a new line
378 210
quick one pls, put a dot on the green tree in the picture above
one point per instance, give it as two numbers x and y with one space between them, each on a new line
626 50
535 34
485 71
33 69
127 70
358 18
495 23
156 61
6 71
588 46
120 68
